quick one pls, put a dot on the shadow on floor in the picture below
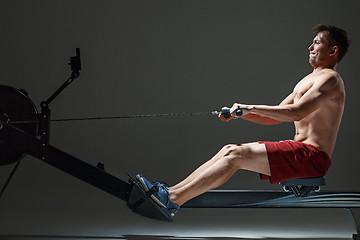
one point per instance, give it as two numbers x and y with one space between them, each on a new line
138 237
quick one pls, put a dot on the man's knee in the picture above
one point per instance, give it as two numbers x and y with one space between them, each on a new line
236 154
238 150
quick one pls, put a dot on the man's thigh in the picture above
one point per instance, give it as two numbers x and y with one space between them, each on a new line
255 158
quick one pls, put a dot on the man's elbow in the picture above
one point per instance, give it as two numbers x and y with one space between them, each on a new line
294 115
272 122
297 115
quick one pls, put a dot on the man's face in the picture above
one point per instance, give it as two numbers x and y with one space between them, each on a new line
320 50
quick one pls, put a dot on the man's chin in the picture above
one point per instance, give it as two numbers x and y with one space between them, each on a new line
312 61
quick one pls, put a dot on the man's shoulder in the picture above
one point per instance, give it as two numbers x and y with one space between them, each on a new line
320 77
328 74
330 81
327 77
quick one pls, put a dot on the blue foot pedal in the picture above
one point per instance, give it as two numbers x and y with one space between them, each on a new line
142 204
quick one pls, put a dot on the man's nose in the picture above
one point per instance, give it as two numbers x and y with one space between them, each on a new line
311 47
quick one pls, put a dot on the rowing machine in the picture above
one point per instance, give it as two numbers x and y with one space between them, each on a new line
25 131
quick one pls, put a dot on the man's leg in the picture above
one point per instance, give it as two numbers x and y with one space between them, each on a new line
200 169
219 169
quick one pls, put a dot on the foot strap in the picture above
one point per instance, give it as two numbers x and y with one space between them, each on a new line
152 191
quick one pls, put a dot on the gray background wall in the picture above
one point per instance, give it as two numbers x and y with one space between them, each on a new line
142 57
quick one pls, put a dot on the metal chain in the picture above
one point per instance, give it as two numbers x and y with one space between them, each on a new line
121 117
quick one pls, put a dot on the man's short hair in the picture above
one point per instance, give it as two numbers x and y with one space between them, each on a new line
336 37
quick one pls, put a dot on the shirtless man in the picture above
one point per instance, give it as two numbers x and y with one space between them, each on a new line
315 106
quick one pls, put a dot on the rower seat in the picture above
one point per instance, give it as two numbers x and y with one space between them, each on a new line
302 187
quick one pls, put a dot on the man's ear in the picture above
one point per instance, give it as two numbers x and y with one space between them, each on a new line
334 50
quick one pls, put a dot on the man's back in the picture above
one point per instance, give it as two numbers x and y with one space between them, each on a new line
321 126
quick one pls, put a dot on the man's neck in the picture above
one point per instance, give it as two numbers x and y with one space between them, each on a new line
320 68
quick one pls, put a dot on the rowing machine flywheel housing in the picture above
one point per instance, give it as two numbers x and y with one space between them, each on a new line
17 109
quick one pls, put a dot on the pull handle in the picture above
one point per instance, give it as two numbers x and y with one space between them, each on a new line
226 112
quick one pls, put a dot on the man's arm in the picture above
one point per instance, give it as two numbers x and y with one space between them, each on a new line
288 111
260 119
255 118
263 120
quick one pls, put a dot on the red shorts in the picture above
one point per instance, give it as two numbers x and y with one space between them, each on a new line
289 159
